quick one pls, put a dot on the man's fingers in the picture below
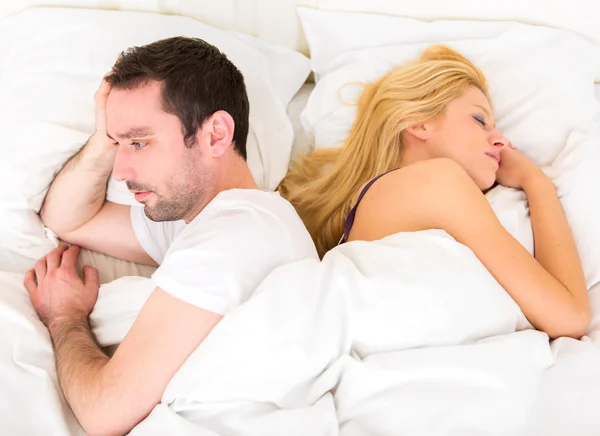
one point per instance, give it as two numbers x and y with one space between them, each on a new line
39 270
29 281
91 277
69 258
53 259
103 90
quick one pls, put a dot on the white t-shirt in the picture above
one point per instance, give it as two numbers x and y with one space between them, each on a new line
217 260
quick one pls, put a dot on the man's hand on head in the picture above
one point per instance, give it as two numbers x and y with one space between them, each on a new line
56 290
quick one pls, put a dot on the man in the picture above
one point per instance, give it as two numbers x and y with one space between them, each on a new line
171 121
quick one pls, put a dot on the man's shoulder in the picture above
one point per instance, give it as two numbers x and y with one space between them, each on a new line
251 218
250 204
250 199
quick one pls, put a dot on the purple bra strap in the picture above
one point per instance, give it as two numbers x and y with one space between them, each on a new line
350 219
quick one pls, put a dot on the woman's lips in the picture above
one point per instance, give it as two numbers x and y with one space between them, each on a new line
495 156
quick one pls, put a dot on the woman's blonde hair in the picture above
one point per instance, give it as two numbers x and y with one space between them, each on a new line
323 185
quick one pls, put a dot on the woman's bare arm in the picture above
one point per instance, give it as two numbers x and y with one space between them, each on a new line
438 194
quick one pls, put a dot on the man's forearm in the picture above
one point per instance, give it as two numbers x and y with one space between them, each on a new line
79 364
79 189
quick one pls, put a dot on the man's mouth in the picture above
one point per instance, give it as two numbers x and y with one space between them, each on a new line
141 195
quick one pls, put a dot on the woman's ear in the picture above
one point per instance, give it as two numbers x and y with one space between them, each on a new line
419 131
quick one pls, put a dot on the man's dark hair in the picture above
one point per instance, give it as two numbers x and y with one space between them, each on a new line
197 80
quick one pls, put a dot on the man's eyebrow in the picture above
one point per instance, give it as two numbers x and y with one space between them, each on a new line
134 132
486 112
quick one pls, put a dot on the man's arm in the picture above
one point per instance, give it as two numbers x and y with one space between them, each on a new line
75 207
111 396
78 191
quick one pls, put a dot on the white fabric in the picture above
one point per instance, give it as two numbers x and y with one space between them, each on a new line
154 237
27 371
223 254
302 143
594 329
276 21
52 61
541 86
21 244
412 331
566 403
580 16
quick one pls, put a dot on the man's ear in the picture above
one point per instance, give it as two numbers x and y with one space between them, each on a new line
217 131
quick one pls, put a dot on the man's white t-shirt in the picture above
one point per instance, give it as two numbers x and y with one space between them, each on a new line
217 260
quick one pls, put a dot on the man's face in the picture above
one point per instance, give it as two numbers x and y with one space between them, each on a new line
167 177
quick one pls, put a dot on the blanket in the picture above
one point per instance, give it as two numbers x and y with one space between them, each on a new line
407 335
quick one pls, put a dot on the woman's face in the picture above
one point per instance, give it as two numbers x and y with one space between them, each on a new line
467 134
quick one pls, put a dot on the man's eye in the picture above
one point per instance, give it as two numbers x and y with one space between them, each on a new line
138 145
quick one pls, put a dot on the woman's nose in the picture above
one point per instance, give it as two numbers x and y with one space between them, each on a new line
498 140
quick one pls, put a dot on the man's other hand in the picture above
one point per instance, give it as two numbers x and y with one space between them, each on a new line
56 290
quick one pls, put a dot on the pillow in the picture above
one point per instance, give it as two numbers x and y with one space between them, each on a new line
110 268
541 84
273 21
302 144
594 328
52 61
580 16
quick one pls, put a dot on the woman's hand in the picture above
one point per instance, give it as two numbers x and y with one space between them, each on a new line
516 169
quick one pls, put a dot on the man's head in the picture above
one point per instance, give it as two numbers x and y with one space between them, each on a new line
177 108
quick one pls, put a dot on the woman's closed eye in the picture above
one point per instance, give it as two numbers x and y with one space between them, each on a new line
480 120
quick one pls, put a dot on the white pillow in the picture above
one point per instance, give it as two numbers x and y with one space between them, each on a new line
273 21
52 61
541 84
580 16
594 328
302 144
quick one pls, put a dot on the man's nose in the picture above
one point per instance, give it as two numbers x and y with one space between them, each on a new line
122 168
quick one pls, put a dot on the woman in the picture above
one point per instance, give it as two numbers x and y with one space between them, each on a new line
422 150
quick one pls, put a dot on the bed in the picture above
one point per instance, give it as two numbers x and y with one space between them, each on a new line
333 358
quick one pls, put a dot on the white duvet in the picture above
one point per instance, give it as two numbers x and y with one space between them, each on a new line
408 335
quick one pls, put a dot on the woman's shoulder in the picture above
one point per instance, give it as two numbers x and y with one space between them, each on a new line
413 198
432 176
